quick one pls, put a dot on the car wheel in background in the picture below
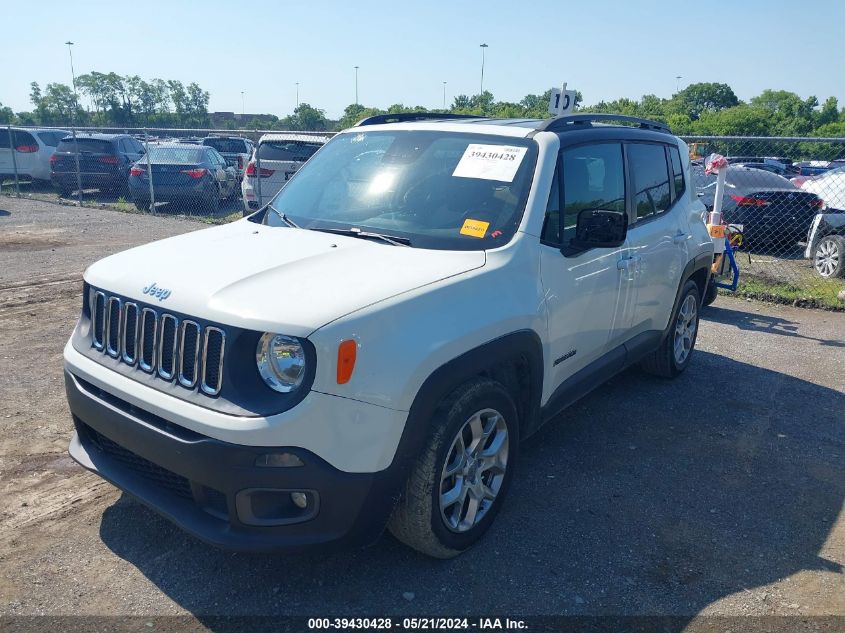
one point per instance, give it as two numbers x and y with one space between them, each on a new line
141 205
829 258
211 202
711 293
459 481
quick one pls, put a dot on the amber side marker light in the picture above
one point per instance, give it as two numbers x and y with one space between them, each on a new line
346 353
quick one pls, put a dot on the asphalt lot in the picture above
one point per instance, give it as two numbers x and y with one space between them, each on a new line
719 493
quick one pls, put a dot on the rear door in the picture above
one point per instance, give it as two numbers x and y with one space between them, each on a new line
658 237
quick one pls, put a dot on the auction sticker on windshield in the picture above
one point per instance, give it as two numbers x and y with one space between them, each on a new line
490 162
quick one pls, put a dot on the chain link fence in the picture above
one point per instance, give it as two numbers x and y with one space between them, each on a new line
216 174
786 194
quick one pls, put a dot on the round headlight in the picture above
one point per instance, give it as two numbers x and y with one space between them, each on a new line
281 362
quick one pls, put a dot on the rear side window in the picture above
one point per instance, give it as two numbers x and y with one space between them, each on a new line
677 172
287 150
51 139
651 179
92 145
593 178
226 145
21 140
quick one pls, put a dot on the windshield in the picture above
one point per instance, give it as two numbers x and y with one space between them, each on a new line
435 189
94 145
296 151
227 145
181 155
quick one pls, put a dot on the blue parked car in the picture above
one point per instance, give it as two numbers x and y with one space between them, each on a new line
192 174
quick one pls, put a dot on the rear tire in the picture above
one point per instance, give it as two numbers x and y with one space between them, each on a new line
711 293
211 203
829 257
675 352
475 435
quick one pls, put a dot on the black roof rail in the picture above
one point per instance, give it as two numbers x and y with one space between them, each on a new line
572 121
403 117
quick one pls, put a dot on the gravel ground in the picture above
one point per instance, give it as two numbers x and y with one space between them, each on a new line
719 493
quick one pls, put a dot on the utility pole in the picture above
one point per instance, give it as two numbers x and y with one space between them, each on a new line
444 95
242 105
678 83
73 124
483 46
297 94
356 85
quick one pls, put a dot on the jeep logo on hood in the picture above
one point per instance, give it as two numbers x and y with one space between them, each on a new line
154 291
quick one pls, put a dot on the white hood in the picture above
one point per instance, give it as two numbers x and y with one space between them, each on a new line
276 279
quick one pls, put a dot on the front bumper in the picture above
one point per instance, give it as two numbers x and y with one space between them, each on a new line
213 489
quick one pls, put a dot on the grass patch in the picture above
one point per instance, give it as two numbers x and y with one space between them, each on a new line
815 293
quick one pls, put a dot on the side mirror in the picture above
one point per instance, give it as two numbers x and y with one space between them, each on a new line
600 228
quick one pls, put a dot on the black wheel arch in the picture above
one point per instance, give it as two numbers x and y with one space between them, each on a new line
515 360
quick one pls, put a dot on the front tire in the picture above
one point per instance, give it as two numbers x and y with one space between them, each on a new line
675 352
458 483
829 258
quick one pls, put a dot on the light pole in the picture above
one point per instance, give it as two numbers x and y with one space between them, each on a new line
73 124
678 83
242 104
297 94
356 85
483 46
444 95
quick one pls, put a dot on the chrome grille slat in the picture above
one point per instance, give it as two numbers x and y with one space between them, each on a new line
158 343
189 348
113 321
147 343
98 316
167 346
130 333
212 360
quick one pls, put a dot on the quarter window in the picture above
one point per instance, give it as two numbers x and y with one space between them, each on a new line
551 224
651 179
677 172
593 178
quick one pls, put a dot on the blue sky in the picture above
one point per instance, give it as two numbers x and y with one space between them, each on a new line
406 50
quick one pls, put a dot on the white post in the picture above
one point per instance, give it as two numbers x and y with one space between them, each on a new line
149 172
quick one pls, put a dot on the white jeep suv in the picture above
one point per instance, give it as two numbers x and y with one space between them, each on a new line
370 348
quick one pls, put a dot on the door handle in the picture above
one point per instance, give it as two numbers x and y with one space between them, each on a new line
628 263
680 238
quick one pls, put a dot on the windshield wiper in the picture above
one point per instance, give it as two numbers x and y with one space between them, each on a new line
354 231
284 218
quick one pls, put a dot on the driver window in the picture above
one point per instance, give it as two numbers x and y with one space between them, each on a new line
593 178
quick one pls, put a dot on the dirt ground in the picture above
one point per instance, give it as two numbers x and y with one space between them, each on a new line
719 493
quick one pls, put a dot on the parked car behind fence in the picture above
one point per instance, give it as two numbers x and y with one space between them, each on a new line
234 149
104 162
32 151
185 173
280 155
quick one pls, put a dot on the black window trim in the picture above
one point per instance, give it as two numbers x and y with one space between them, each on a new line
568 251
672 175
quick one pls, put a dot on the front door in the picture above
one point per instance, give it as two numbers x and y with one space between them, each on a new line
587 293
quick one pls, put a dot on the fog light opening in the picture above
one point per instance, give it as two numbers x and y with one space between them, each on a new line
300 499
278 460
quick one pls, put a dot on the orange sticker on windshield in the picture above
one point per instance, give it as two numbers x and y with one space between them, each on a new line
474 228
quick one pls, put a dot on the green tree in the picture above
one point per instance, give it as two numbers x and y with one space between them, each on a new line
305 117
696 99
6 114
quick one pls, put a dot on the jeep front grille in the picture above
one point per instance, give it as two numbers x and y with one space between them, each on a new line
159 343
